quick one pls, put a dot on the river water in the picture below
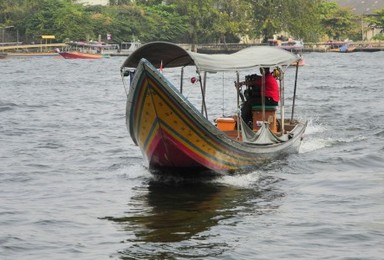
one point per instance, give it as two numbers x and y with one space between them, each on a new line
74 186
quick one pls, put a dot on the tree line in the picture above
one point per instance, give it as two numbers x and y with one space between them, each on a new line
181 21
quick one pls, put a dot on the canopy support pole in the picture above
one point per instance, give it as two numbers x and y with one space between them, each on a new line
263 93
203 88
294 90
223 98
282 97
181 80
238 104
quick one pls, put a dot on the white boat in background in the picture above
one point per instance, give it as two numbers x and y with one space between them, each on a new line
126 48
294 46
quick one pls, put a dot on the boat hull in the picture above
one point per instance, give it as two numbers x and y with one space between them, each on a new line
343 50
171 133
80 55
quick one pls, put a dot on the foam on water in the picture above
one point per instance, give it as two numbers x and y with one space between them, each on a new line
246 180
312 137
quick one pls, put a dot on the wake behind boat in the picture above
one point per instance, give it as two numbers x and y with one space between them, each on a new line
173 134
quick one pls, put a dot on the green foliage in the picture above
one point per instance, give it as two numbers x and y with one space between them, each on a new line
378 21
214 20
164 23
232 19
379 37
199 18
197 21
268 17
337 23
128 22
303 19
61 18
300 18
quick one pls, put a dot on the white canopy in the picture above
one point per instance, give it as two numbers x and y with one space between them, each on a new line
172 55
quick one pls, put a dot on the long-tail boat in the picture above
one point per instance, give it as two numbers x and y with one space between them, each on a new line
175 136
85 50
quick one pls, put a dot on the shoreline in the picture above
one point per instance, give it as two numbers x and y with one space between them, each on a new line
38 50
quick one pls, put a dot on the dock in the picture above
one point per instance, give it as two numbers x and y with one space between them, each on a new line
31 47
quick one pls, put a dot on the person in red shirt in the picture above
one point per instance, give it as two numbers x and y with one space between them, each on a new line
254 95
272 93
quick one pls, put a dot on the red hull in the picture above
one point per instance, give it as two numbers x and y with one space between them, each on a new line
80 55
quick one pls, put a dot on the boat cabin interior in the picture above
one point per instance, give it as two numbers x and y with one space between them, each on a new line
271 115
